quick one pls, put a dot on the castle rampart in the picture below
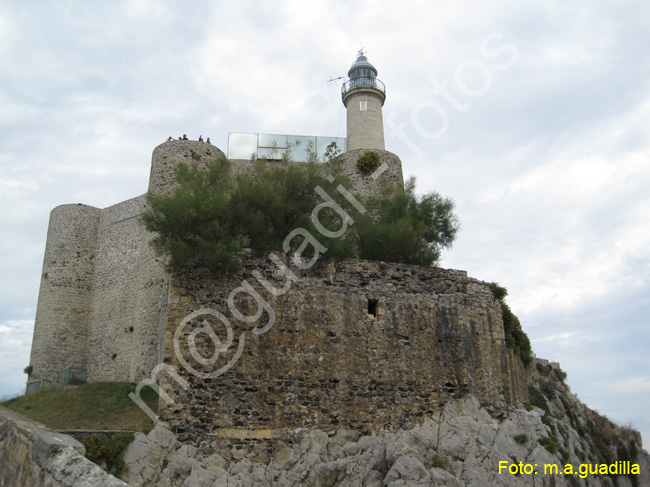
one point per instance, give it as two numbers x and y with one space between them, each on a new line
364 345
359 344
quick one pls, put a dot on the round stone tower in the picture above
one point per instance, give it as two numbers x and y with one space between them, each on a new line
363 96
62 314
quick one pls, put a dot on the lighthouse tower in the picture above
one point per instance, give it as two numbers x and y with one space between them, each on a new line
363 96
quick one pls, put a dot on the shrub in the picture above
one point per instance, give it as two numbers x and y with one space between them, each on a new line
402 227
549 388
560 375
28 370
546 419
107 453
332 152
499 292
212 215
550 443
537 399
440 462
515 336
522 439
564 454
368 162
515 460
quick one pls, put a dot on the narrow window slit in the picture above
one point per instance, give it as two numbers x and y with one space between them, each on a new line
372 306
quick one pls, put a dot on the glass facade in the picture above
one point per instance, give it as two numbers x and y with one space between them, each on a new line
299 148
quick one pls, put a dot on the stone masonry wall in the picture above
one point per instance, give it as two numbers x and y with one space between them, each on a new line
124 328
369 184
331 358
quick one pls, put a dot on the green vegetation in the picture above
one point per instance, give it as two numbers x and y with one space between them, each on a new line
440 462
499 292
368 162
515 336
515 460
522 439
107 453
564 454
549 388
407 229
213 215
332 152
537 399
550 443
96 406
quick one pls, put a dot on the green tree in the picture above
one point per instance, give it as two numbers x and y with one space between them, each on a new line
402 227
195 222
332 151
212 215
277 199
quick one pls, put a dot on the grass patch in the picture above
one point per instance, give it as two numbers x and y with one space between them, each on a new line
522 439
96 406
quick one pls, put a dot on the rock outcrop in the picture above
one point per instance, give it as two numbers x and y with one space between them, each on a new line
32 455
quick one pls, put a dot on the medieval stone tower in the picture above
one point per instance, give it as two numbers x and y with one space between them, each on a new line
364 96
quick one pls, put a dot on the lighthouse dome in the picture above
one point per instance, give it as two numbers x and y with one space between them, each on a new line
361 68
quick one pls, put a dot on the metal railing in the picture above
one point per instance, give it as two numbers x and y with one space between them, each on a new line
363 83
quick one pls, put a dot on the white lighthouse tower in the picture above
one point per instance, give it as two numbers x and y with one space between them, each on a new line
363 96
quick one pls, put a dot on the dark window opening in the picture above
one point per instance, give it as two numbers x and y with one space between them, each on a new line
372 306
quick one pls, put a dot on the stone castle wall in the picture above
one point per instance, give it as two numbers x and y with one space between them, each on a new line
99 304
361 344
124 328
331 357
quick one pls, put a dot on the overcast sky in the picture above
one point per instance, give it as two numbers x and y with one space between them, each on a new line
533 116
